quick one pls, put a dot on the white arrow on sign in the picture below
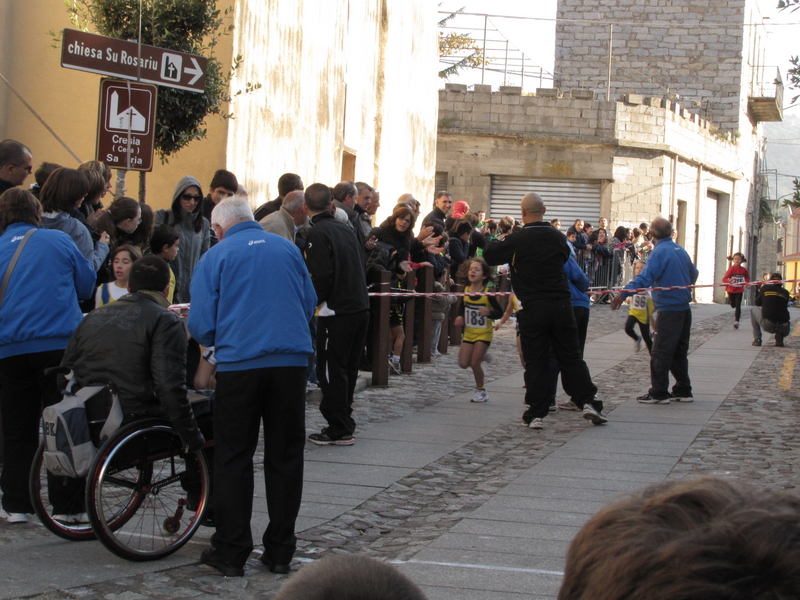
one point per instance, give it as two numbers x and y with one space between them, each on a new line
196 71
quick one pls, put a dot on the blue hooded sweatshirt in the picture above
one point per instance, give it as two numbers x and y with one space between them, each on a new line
40 309
578 283
252 299
667 265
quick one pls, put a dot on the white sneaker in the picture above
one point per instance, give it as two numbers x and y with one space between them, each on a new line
736 324
394 365
13 517
480 396
536 424
488 358
637 344
590 414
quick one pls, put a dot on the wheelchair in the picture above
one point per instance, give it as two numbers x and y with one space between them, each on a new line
143 499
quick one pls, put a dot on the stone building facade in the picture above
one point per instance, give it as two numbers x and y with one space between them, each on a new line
694 157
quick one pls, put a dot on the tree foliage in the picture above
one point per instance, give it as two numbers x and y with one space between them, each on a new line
459 47
193 26
794 72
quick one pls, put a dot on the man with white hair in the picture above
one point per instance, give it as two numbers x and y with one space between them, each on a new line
291 215
261 376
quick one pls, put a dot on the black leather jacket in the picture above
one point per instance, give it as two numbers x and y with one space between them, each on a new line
140 347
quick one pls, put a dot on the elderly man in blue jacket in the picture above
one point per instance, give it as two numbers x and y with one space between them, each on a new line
668 265
252 299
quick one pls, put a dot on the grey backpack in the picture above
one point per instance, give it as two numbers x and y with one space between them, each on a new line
69 449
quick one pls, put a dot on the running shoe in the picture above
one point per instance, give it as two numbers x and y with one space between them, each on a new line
480 396
591 414
648 399
322 439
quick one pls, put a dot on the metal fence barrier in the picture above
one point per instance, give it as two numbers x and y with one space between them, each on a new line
608 271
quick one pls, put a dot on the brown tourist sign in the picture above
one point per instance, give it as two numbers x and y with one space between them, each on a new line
130 60
126 127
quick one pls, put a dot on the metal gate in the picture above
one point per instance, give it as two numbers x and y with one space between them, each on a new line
565 199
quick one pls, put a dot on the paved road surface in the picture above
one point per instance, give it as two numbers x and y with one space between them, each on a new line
458 495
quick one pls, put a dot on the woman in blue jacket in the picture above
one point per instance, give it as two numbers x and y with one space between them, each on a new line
38 314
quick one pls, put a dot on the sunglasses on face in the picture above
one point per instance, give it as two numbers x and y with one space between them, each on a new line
191 197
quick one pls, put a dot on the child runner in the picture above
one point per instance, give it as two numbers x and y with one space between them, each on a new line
735 277
164 244
122 258
512 308
640 312
476 314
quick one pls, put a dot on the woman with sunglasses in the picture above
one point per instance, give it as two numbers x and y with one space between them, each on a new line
193 228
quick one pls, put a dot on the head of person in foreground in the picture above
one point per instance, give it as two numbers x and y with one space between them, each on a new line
691 539
349 577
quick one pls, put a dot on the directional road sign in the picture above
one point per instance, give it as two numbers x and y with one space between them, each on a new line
126 125
128 60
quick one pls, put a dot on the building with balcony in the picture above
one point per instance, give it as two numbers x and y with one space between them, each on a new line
656 110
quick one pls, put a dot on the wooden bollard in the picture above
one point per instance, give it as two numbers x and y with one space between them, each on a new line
455 330
379 308
425 308
407 353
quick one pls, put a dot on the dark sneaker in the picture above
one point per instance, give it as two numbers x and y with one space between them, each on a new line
590 414
757 342
212 558
681 397
648 399
568 405
322 439
280 569
778 340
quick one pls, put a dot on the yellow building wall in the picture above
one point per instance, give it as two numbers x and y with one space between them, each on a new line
68 101
337 75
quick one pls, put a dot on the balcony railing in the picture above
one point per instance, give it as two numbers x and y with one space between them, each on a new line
765 101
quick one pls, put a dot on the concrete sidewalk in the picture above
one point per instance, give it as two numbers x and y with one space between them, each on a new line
458 495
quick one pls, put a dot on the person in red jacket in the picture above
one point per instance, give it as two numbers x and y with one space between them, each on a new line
736 277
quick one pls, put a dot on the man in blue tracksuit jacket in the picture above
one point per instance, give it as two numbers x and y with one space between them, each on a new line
252 299
667 265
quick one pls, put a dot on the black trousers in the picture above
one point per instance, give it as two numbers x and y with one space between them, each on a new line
582 322
670 354
25 392
540 327
340 344
243 400
736 303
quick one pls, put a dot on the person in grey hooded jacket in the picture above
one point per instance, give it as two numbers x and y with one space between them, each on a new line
193 228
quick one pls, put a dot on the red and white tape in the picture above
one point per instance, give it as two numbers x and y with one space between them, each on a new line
183 309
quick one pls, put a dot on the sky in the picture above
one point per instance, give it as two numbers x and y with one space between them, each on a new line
537 38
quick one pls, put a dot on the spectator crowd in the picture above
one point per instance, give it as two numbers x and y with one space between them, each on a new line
279 304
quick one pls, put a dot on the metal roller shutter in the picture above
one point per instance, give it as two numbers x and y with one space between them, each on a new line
566 199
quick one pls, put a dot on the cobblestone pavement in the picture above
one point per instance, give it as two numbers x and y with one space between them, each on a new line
753 436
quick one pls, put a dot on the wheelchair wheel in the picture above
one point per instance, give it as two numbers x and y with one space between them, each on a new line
59 501
145 495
